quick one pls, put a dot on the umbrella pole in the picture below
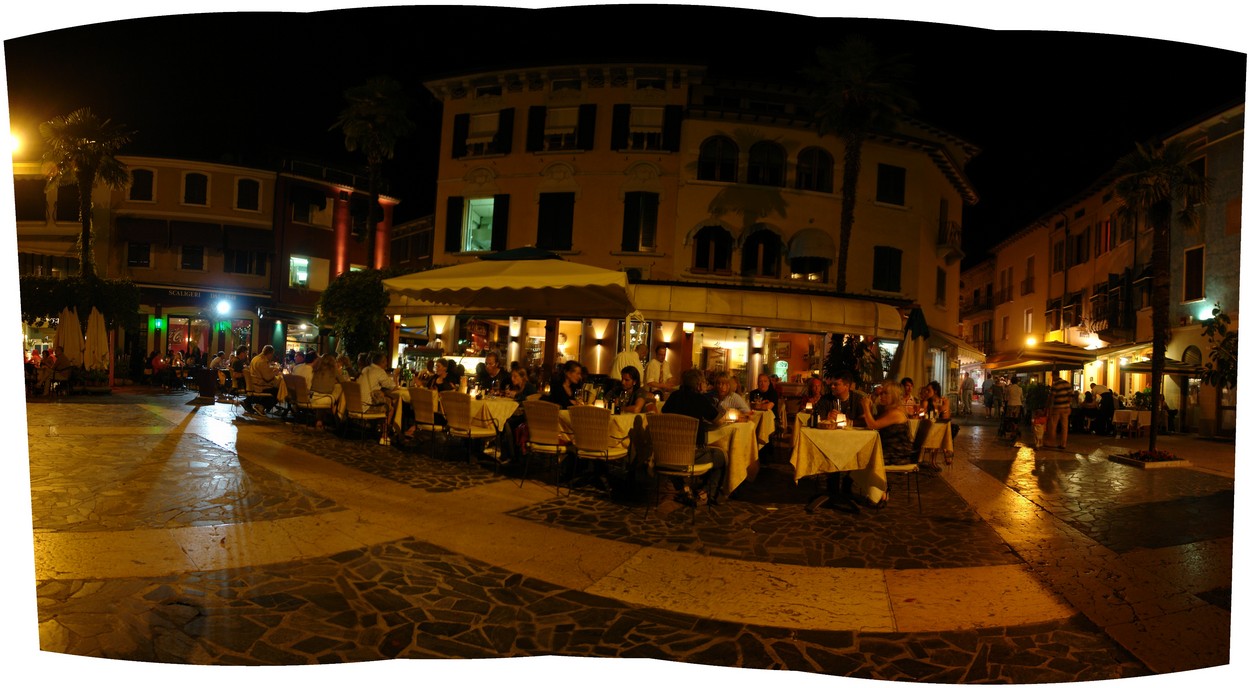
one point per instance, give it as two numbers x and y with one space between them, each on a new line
112 339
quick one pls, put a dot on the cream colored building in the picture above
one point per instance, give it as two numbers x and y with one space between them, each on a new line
1082 275
718 198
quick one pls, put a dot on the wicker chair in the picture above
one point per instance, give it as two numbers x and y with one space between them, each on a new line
353 400
423 404
458 408
591 436
254 393
542 418
673 438
298 398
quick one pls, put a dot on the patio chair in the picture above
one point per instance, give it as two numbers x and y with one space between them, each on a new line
357 414
542 418
299 399
673 443
910 473
458 409
254 394
423 403
592 440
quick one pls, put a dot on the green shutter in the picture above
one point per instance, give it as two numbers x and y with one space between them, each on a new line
455 223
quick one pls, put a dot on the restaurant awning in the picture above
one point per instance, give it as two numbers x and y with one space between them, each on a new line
797 312
812 243
525 282
1042 356
966 350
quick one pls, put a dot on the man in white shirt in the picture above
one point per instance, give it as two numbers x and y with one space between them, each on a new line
304 368
373 378
659 376
264 379
627 358
1015 399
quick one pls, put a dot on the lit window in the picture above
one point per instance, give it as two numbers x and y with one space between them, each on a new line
479 216
299 271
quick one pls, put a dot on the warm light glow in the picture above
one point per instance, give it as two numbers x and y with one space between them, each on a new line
15 144
223 307
439 323
667 329
839 419
687 327
1097 363
1031 341
757 337
1123 360
600 327
396 318
731 415
514 326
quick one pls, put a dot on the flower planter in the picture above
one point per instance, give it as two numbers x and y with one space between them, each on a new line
1148 465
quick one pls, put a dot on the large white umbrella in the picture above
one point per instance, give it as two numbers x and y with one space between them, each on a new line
522 281
96 351
69 336
913 351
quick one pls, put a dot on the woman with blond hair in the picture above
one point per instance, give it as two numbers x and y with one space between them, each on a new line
896 442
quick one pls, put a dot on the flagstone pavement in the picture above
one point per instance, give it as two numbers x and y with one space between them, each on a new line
170 530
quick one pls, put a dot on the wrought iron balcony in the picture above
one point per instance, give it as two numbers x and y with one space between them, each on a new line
950 241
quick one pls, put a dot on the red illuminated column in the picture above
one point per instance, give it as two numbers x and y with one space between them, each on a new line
342 233
382 245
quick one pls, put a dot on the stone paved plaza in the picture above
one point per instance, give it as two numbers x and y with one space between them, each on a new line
173 531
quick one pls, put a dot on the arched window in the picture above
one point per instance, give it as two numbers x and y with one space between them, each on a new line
761 254
814 170
718 160
766 164
713 247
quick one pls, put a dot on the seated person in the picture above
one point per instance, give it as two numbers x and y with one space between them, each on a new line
378 392
492 378
264 380
764 397
845 399
326 385
689 400
519 389
630 397
564 386
726 399
891 423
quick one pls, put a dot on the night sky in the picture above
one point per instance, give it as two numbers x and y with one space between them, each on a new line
1051 110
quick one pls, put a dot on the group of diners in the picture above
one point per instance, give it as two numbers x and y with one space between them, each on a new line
887 408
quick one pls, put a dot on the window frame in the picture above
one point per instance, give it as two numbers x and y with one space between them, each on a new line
813 170
186 188
756 248
713 165
291 272
133 259
151 185
238 195
712 247
641 215
890 183
881 272
1201 277
766 164
183 256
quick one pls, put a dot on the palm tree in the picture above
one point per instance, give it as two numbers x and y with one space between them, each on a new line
80 149
1156 183
375 119
860 92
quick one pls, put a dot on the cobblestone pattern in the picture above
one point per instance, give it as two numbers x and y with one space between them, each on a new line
411 600
759 524
1109 501
108 492
450 471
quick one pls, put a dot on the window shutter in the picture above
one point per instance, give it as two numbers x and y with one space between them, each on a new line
459 132
633 221
535 127
620 127
672 128
455 223
503 137
499 226
586 127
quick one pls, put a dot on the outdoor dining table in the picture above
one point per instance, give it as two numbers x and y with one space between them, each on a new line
854 450
494 411
1131 420
741 440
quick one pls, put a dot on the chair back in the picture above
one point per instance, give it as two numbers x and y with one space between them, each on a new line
543 420
591 425
297 388
352 398
423 402
458 408
673 438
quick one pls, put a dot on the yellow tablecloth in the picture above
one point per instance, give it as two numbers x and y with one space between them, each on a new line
742 450
818 451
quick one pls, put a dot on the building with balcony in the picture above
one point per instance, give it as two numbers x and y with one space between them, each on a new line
717 197
223 255
1081 274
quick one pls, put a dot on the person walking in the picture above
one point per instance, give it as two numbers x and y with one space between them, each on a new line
966 388
1058 410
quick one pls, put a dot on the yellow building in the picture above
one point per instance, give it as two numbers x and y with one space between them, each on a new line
718 198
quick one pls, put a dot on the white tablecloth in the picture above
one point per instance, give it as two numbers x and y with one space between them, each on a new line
489 411
818 451
742 450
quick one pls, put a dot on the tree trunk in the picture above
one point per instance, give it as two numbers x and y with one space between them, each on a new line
86 265
1160 308
850 184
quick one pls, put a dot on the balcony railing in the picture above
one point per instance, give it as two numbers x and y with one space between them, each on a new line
985 304
950 241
